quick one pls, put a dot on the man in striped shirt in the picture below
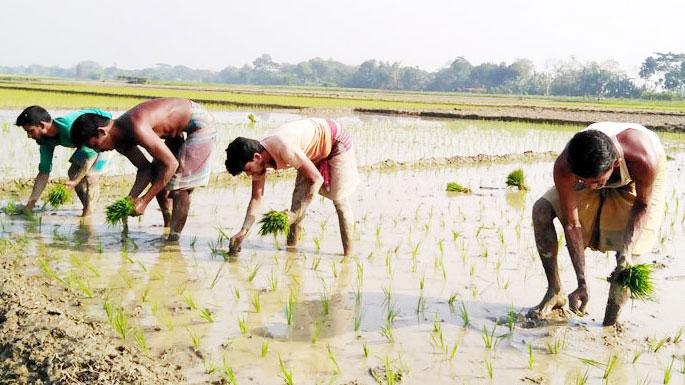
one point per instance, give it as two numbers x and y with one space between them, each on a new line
321 151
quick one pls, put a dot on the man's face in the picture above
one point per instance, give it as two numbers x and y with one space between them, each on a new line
102 141
257 166
600 180
36 131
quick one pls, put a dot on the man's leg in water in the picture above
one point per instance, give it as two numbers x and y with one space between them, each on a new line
179 214
548 248
346 223
618 295
165 204
301 188
75 170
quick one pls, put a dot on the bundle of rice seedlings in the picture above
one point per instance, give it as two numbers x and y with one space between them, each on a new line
59 195
517 179
456 187
118 211
252 118
11 209
274 223
639 280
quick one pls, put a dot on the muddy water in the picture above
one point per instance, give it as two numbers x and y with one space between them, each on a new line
477 247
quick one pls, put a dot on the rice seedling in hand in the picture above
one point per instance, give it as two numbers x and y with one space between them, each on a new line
638 279
456 187
118 212
517 179
274 223
59 195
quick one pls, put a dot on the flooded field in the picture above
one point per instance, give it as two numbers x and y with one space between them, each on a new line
432 296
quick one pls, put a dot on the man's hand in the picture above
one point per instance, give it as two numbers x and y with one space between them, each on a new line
71 183
292 217
139 206
235 241
578 297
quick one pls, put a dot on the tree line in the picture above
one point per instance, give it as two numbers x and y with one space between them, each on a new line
662 76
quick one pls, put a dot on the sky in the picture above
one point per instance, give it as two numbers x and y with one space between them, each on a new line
213 34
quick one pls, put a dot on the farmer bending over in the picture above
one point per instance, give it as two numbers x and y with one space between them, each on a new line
86 164
609 195
179 135
321 151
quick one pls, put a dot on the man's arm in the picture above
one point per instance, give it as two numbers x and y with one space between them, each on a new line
251 214
155 146
309 170
38 186
645 173
44 167
143 173
565 182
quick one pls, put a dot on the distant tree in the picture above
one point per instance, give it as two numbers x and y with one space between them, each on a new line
664 70
89 70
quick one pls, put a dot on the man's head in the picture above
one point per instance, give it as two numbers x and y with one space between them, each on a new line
591 155
92 130
35 120
244 154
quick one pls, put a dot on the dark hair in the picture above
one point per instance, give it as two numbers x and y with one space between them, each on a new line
32 116
589 153
239 152
86 127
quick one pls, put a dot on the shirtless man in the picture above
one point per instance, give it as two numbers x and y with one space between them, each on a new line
86 164
609 194
179 135
321 151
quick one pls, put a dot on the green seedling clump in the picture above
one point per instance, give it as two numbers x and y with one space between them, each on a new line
274 223
456 187
118 211
252 118
639 280
59 195
517 179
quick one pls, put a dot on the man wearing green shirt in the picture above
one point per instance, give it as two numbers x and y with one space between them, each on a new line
86 163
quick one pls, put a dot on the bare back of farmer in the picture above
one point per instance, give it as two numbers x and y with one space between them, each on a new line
321 151
179 135
608 195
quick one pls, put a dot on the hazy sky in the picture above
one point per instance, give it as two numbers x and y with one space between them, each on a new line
428 33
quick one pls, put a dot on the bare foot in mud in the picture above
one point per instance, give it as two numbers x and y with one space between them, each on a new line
173 237
552 306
